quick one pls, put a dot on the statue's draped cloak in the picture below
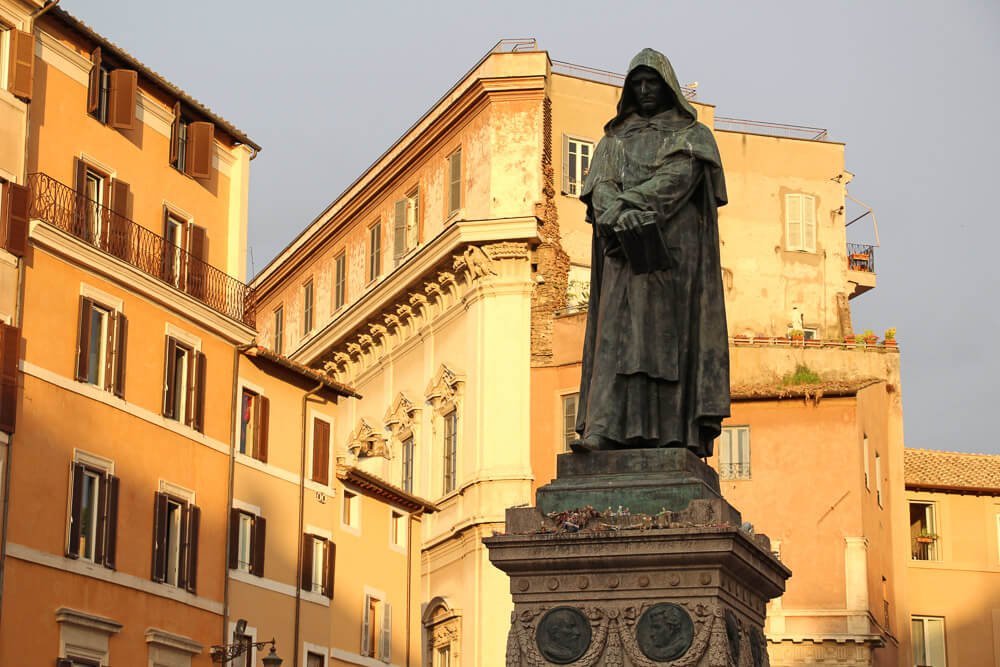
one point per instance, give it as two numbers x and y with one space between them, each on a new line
656 356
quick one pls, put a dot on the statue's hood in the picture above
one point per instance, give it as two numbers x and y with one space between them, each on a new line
658 62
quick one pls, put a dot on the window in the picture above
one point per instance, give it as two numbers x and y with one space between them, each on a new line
247 533
184 259
406 222
339 281
307 307
192 144
184 384
800 223
5 32
450 450
175 541
91 220
350 513
321 451
397 529
867 454
878 479
20 61
734 453
279 329
247 658
927 635
101 342
569 407
923 532
442 657
408 465
175 233
374 251
319 560
315 659
376 629
576 162
93 521
254 424
111 93
454 182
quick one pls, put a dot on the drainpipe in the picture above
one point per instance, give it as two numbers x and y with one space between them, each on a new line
416 517
47 7
302 518
231 488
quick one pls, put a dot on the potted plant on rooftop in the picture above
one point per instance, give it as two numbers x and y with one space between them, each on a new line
797 336
890 337
869 337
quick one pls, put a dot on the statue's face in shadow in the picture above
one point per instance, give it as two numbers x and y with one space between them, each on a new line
650 92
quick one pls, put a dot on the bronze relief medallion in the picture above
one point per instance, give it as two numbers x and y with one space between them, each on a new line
664 632
563 635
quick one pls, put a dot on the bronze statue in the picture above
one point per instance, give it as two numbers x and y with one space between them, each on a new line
656 356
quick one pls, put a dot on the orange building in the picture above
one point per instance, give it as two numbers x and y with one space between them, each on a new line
952 550
133 199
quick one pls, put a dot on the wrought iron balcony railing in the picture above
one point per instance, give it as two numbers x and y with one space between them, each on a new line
861 257
71 211
734 470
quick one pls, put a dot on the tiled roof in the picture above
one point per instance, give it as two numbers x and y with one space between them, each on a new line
258 352
380 488
128 59
925 468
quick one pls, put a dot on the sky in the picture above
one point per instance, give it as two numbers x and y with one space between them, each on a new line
911 88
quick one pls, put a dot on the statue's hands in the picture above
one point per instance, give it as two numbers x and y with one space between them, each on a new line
608 218
632 220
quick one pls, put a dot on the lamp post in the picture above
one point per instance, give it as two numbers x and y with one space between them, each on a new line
223 653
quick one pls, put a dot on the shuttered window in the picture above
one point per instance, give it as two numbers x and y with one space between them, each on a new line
192 145
112 93
184 381
5 32
93 520
406 224
254 424
321 451
319 560
15 202
102 339
21 64
376 629
374 251
176 525
339 281
454 182
247 537
10 352
734 452
800 222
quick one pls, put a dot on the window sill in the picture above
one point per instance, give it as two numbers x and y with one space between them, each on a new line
350 530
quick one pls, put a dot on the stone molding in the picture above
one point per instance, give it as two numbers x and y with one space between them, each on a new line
365 440
68 616
169 640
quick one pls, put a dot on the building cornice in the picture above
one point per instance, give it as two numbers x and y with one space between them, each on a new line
383 490
126 276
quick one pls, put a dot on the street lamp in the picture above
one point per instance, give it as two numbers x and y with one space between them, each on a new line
226 652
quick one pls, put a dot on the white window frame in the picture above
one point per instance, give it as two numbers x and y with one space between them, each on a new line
744 455
800 212
245 385
924 622
383 643
350 502
112 305
449 451
315 649
173 547
573 188
251 632
567 433
5 31
931 516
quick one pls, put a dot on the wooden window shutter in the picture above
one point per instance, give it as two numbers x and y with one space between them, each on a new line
10 348
259 538
15 207
329 568
64 662
111 534
159 565
200 145
109 352
198 261
121 105
234 538
94 86
321 451
198 419
307 562
385 648
366 630
808 223
193 514
121 344
22 64
565 164
101 536
175 135
793 221
73 546
169 390
261 420
399 231
119 234
83 340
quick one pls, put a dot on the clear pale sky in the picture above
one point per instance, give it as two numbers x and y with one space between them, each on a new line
911 88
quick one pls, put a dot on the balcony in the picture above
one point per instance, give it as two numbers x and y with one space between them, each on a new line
860 268
72 212
781 130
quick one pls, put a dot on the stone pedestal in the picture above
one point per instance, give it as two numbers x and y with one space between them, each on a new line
675 581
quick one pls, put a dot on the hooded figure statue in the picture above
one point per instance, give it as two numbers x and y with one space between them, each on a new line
656 355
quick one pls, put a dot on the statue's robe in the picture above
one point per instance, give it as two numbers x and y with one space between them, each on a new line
656 356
